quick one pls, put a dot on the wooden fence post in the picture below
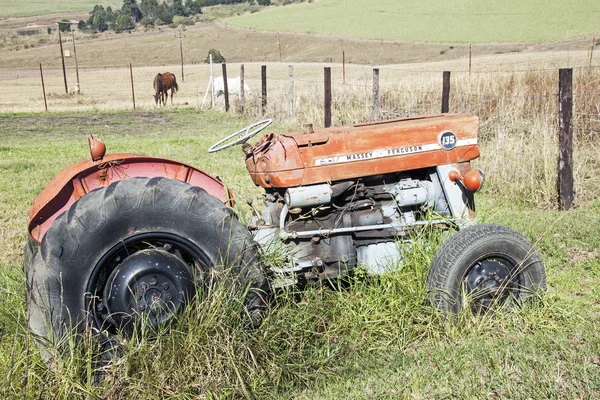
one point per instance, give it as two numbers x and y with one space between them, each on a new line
446 92
375 94
242 91
470 57
565 138
43 88
344 67
263 77
291 95
592 52
132 90
327 94
225 86
279 43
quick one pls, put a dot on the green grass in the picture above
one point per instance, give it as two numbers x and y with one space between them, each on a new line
433 21
374 339
23 8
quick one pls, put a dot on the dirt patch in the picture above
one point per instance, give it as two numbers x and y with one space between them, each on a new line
85 124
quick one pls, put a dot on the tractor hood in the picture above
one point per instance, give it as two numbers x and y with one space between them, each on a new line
333 154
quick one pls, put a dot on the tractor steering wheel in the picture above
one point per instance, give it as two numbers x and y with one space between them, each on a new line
240 136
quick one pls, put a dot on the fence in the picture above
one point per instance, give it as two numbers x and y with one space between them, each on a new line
533 99
532 102
513 106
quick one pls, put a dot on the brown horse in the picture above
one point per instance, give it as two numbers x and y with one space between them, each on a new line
162 84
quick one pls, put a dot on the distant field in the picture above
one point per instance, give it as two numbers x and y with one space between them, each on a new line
23 8
434 20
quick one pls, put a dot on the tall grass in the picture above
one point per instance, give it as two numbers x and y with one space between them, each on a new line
368 338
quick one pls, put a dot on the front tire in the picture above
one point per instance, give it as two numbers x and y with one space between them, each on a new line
137 248
484 267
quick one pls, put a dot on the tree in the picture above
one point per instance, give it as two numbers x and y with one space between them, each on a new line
98 20
130 8
150 9
123 22
264 2
193 7
165 14
178 9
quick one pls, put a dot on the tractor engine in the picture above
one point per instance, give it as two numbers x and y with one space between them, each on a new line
342 198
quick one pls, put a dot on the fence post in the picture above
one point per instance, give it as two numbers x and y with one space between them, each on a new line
43 88
225 86
279 43
592 52
375 94
242 91
344 67
291 110
327 97
446 92
565 138
132 90
470 57
212 83
263 77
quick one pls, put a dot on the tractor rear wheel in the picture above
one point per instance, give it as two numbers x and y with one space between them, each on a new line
137 249
484 267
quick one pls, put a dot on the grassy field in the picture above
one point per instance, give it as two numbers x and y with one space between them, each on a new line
433 21
375 339
12 8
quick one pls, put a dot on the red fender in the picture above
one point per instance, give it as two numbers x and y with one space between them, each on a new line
76 181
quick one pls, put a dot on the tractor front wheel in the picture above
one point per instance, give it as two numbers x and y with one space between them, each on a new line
484 267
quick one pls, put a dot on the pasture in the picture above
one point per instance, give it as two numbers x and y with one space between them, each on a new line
374 339
11 8
462 21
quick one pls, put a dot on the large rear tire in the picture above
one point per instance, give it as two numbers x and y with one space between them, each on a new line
485 267
136 249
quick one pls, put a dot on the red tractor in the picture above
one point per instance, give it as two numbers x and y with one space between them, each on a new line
124 237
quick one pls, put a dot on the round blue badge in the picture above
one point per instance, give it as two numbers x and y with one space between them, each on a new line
447 140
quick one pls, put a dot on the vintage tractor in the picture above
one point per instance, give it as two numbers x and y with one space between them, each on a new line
124 237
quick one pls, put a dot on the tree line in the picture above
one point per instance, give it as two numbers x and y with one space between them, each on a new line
147 13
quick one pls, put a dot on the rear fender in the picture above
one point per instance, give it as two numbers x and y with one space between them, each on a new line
76 181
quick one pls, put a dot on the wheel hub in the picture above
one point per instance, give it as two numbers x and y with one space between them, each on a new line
151 285
487 282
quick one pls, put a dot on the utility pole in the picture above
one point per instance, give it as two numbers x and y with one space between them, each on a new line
180 35
75 54
62 56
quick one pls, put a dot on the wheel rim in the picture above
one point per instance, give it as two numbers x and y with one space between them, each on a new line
490 281
149 276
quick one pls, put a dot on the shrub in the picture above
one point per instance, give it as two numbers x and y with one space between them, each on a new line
146 22
217 57
178 20
64 25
